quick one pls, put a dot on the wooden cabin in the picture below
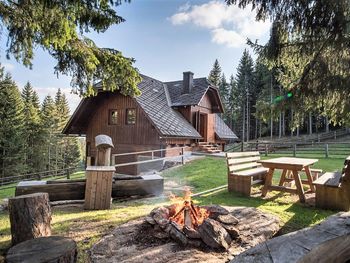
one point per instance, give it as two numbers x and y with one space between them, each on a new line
167 114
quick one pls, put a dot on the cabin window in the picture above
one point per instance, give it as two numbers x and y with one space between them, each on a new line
130 116
113 117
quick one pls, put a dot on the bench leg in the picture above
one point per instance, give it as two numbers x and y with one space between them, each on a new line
309 178
299 186
268 182
283 177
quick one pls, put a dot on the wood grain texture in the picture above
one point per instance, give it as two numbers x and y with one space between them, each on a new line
98 189
52 249
30 217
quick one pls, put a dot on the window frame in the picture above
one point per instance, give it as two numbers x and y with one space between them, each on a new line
126 116
110 117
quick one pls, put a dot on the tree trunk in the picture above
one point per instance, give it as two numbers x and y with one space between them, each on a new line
44 250
243 124
280 125
283 123
310 123
30 217
327 124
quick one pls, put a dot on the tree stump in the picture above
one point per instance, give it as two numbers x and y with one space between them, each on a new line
44 250
30 217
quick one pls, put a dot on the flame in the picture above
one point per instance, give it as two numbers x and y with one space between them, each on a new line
184 212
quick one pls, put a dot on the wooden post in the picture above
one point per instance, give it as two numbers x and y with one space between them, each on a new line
98 190
242 147
266 150
30 217
182 155
294 150
68 173
326 150
44 249
335 134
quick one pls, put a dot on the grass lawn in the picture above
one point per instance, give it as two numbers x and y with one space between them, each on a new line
86 227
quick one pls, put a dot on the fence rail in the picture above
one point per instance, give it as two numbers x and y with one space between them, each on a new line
57 174
321 148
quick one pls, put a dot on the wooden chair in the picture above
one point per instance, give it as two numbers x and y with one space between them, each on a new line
333 189
244 171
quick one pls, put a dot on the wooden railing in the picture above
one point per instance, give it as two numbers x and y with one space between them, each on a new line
151 154
57 174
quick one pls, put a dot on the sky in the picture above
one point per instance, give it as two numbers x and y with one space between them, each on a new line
165 37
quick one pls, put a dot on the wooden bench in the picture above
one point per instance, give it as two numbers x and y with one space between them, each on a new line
244 171
333 189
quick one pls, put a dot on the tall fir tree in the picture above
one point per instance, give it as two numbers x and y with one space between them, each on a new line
224 95
215 74
11 128
245 91
33 136
49 122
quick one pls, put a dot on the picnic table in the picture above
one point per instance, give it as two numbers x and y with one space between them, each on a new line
288 165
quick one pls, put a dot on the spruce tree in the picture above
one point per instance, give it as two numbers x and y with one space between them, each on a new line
49 122
58 27
11 128
32 125
245 90
224 95
215 74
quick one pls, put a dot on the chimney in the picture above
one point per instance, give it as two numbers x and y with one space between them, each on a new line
187 83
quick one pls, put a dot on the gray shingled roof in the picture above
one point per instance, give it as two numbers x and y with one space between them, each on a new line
222 130
200 86
154 102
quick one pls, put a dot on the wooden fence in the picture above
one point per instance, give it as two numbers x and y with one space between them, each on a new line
5 182
176 152
296 148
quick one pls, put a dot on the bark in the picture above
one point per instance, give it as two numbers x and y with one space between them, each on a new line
53 249
214 235
30 217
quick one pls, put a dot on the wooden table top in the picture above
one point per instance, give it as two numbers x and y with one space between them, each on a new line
287 162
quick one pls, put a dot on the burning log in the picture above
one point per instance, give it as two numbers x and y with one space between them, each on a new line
177 234
214 235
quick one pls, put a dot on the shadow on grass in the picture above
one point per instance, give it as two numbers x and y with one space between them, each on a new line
293 215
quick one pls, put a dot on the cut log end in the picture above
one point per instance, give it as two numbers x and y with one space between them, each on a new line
30 217
43 250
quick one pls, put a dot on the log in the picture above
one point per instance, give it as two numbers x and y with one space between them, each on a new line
44 250
75 189
30 217
214 235
327 242
57 191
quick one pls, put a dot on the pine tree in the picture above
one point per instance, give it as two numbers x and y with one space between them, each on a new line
215 74
245 90
49 122
224 95
58 28
68 153
11 128
32 125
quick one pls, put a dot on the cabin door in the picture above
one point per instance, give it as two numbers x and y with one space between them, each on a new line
203 126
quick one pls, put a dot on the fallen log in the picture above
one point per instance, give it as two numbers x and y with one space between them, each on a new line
75 189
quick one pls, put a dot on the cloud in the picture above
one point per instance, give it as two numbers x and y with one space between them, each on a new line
228 25
8 66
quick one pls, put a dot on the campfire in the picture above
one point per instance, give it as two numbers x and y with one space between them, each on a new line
189 224
185 212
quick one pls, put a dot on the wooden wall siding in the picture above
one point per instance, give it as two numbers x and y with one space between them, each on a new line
205 102
179 142
141 133
211 128
186 112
